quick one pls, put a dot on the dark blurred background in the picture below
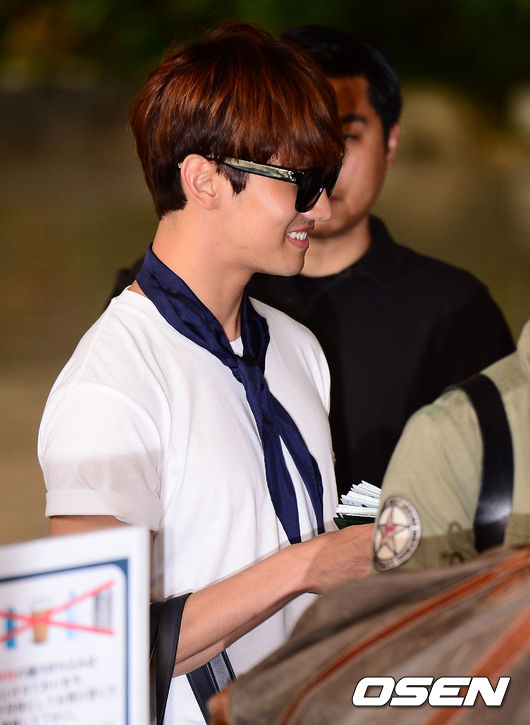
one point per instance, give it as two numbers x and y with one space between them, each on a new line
73 207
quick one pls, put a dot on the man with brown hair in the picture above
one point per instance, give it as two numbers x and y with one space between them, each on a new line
187 407
396 326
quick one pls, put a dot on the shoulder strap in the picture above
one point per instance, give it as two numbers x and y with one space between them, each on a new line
496 491
205 681
165 618
210 679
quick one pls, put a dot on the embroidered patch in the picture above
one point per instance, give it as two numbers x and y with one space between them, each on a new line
397 533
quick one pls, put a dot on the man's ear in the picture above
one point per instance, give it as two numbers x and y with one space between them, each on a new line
392 145
200 180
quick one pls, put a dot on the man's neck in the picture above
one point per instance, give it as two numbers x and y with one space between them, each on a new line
218 289
333 254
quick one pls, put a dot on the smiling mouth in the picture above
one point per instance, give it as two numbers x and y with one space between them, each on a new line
297 235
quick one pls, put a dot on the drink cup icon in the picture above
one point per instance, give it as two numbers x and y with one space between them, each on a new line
103 609
40 608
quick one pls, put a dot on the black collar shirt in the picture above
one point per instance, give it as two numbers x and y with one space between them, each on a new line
396 327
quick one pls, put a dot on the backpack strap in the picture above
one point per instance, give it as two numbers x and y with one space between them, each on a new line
496 491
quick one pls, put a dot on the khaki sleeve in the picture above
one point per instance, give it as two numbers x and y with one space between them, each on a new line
430 489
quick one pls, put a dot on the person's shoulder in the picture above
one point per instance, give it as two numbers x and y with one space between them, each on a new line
439 445
509 375
439 271
135 313
434 419
460 301
124 326
295 352
450 407
433 278
284 327
126 316
438 426
453 409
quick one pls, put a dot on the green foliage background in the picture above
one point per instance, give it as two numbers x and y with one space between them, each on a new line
74 207
479 46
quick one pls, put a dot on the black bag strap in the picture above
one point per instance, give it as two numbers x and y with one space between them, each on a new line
165 618
205 681
209 679
496 490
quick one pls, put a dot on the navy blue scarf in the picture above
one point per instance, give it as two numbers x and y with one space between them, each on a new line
185 312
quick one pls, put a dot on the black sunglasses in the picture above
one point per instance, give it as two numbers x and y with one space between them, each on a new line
310 182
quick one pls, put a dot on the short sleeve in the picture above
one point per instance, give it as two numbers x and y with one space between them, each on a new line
430 489
100 455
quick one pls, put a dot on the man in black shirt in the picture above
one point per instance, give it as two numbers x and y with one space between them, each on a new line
397 327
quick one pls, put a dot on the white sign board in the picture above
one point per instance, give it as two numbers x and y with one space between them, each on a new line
74 629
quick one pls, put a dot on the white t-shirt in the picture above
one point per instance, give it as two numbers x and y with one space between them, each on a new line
145 425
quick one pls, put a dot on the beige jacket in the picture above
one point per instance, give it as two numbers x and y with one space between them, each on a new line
431 486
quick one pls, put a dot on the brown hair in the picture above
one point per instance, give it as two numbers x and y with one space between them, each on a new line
238 92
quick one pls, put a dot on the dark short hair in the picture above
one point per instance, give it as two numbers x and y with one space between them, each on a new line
341 55
237 92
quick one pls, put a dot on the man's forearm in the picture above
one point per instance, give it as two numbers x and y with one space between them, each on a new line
219 614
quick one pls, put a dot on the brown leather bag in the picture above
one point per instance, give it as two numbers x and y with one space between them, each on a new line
472 619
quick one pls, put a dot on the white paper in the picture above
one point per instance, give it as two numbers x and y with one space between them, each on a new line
74 629
361 500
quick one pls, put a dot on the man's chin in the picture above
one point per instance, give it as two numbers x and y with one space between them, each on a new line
286 270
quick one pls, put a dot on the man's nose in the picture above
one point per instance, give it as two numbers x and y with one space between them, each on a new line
321 212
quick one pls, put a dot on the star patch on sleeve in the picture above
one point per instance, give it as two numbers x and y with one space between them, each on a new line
397 533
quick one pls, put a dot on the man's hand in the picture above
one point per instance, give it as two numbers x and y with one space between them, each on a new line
336 557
